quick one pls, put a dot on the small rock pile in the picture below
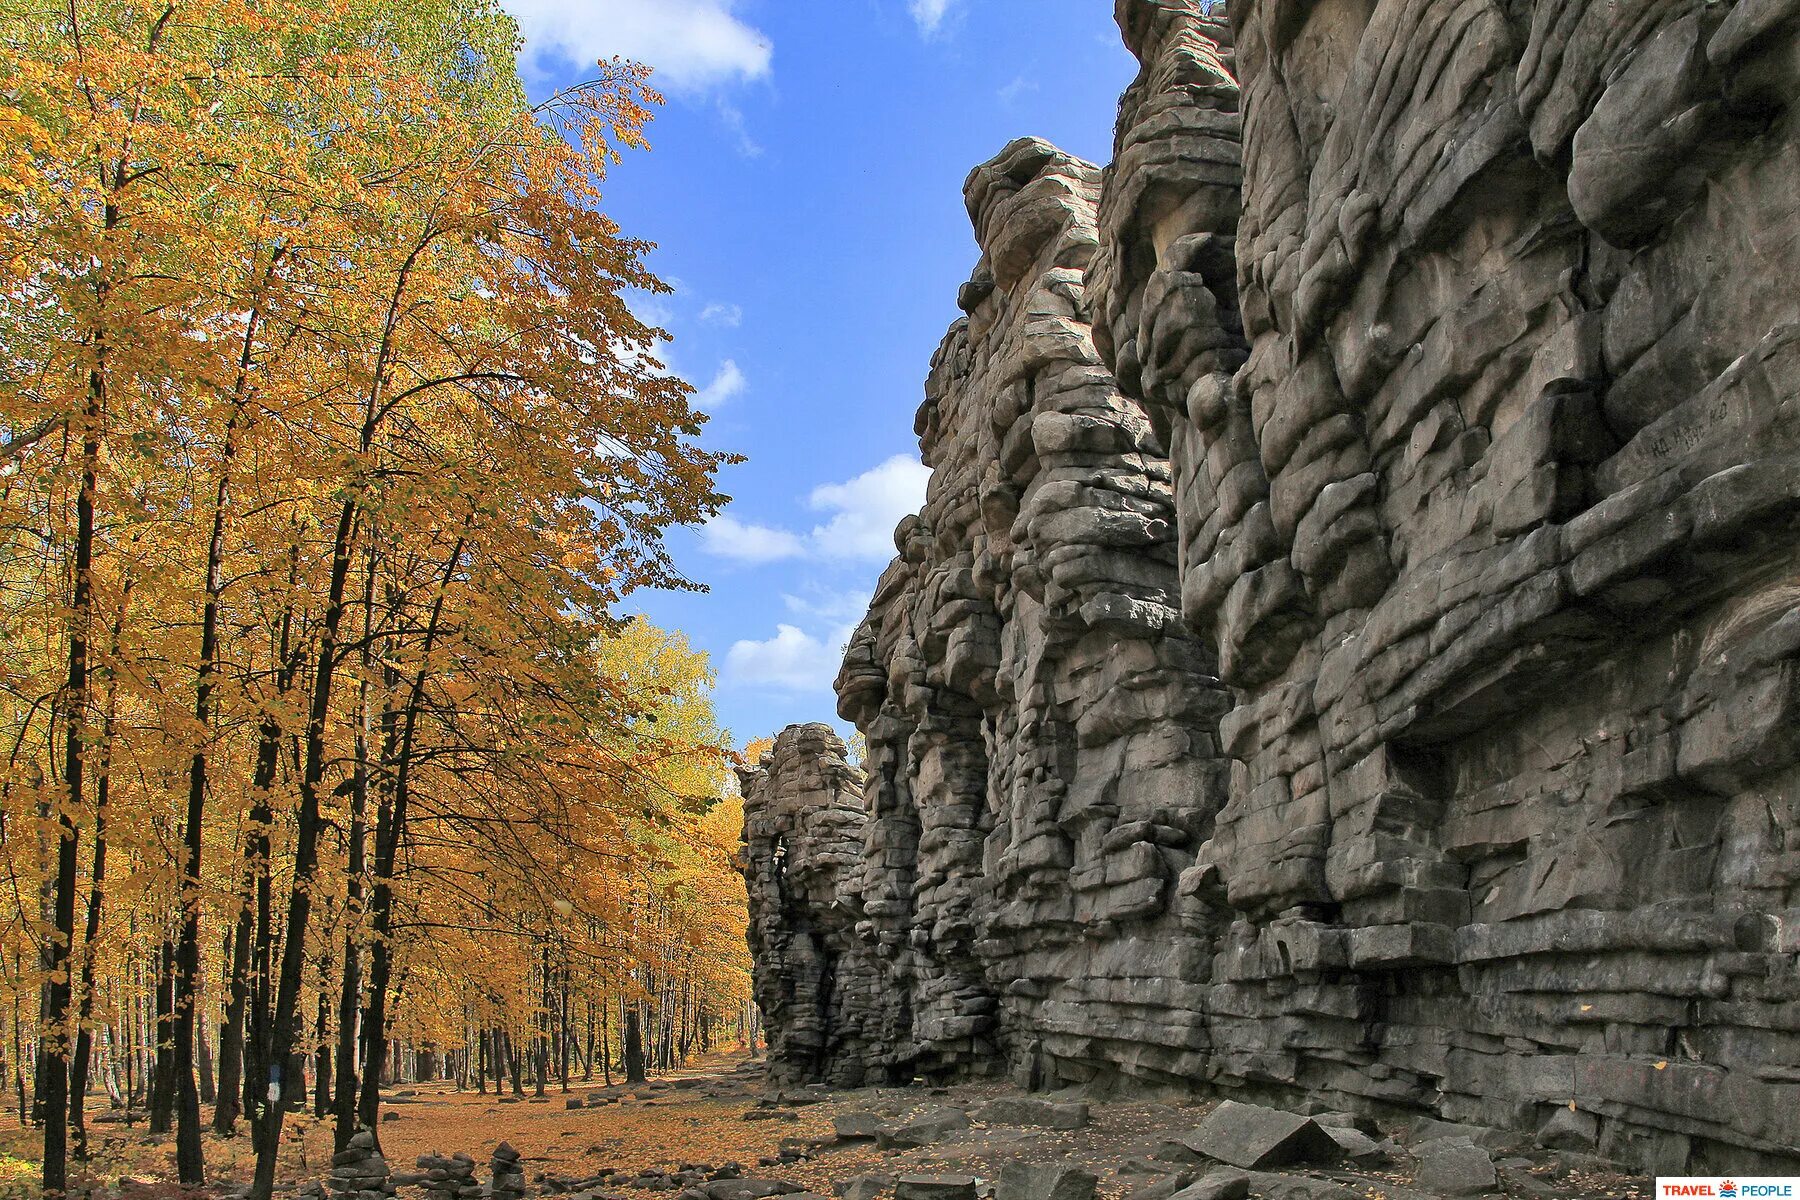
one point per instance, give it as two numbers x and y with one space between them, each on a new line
359 1172
509 1176
451 1178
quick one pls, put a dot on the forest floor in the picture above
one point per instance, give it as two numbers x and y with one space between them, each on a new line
714 1113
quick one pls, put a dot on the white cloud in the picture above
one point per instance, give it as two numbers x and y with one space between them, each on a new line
791 661
824 604
728 537
733 119
693 44
929 14
653 310
728 315
868 507
725 387
863 512
1012 92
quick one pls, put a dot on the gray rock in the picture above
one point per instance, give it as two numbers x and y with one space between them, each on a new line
747 1189
922 1129
1569 1129
1356 1146
1256 1138
856 1126
864 1187
1044 1181
1454 1167
1221 1184
934 1187
1045 1114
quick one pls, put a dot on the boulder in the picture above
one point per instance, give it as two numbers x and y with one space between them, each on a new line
921 1129
1041 1114
934 1187
1044 1181
864 1187
1221 1184
1454 1167
1256 1138
857 1126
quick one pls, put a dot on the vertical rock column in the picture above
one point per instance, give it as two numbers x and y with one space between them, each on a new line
803 846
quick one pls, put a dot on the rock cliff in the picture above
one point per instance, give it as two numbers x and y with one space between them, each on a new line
1350 652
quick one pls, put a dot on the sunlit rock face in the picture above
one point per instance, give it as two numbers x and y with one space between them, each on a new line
1043 755
1351 650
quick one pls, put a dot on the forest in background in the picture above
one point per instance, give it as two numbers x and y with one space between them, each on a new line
330 447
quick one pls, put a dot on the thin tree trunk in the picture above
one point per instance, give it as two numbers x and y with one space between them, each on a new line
54 1082
282 1032
241 1059
390 835
606 1039
162 1088
634 1046
84 1040
190 1162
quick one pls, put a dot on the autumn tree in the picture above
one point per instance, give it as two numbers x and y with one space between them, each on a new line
333 448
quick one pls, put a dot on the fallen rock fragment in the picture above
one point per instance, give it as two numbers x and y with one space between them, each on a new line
1454 1167
856 1126
1039 1114
935 1187
1216 1185
1043 1181
1255 1138
864 1187
922 1129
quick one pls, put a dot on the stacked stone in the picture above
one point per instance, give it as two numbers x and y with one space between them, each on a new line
1350 650
509 1174
449 1177
359 1172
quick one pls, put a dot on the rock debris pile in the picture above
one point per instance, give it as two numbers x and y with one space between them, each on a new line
1349 655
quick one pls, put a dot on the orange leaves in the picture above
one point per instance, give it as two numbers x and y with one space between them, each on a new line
327 268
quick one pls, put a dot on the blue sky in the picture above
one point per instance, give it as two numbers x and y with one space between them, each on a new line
805 191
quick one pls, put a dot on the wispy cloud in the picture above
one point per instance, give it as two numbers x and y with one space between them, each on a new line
791 661
824 604
727 385
694 45
728 315
727 537
1017 89
930 14
733 118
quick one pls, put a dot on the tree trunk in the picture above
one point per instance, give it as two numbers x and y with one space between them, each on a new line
634 1046
162 1084
59 990
204 1064
241 1058
84 1040
390 835
282 1032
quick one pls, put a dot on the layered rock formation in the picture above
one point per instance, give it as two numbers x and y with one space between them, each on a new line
1351 648
803 842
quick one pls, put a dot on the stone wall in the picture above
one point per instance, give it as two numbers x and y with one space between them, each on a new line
1350 652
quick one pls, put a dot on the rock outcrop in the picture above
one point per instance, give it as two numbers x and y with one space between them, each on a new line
803 841
1350 652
